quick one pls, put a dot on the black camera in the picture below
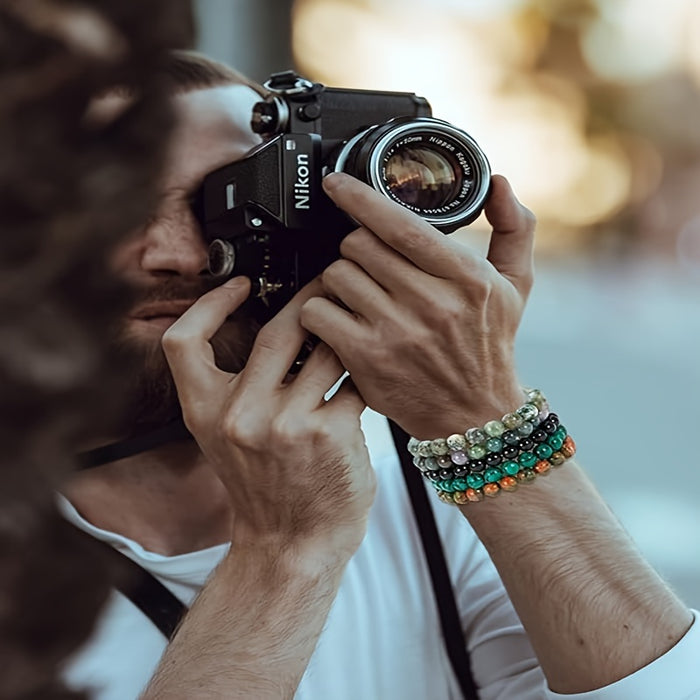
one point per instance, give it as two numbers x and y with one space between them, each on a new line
266 216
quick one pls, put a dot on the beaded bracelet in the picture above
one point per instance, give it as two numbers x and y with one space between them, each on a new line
481 462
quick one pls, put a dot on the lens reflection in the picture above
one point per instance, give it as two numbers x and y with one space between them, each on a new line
422 177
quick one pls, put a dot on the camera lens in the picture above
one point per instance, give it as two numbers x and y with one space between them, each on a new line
425 164
422 177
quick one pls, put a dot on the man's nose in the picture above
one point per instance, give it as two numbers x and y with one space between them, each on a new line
173 245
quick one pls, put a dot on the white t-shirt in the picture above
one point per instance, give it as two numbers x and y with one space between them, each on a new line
382 637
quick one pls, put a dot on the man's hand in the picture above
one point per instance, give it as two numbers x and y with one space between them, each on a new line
428 327
295 465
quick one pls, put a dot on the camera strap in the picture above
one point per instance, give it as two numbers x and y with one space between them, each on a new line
437 565
150 596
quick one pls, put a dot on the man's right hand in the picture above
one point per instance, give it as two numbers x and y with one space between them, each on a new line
295 465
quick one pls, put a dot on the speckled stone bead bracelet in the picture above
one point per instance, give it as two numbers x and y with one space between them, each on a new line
466 467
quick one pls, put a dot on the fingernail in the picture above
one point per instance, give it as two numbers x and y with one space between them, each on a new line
235 283
333 180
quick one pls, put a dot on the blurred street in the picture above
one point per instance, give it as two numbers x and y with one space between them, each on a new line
615 349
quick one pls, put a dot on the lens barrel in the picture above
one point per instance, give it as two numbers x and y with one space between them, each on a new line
427 165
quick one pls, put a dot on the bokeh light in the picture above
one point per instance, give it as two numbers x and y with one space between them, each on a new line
544 87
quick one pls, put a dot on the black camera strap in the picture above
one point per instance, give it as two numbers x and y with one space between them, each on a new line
150 596
437 565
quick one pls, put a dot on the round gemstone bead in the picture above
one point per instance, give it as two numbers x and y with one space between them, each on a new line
459 457
476 451
510 467
445 497
430 463
493 459
460 498
528 411
413 446
456 442
439 447
561 432
526 476
446 474
512 420
511 437
477 465
460 471
539 435
536 396
494 444
447 485
421 465
548 425
491 490
425 448
475 481
569 447
492 475
475 495
433 476
419 461
508 483
526 444
557 459
555 442
459 484
543 467
527 460
544 451
527 428
510 452
494 428
476 436
443 461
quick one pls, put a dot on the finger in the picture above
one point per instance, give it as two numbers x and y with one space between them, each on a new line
328 321
279 341
347 397
186 343
349 283
398 227
512 239
391 270
321 370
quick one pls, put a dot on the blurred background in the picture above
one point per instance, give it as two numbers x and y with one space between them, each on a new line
592 109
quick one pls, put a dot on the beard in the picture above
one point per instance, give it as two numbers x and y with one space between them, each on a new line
151 394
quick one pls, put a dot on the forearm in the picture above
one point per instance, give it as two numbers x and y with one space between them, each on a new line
253 629
594 610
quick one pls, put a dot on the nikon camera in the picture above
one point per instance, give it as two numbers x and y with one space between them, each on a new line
266 216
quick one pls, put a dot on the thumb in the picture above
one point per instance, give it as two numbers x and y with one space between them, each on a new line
512 238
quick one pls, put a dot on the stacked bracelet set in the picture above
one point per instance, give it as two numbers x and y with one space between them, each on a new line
466 467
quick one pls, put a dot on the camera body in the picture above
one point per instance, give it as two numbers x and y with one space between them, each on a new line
266 216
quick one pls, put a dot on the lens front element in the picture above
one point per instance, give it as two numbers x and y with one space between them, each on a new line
426 165
421 177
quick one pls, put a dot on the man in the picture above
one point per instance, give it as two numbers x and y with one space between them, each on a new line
323 592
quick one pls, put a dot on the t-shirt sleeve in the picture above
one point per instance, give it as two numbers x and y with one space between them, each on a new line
673 676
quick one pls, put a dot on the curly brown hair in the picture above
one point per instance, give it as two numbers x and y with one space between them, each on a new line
69 190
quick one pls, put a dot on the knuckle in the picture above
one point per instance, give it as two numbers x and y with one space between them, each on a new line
354 242
174 339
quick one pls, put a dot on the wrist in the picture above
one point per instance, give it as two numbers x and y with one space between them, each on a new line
459 414
296 556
